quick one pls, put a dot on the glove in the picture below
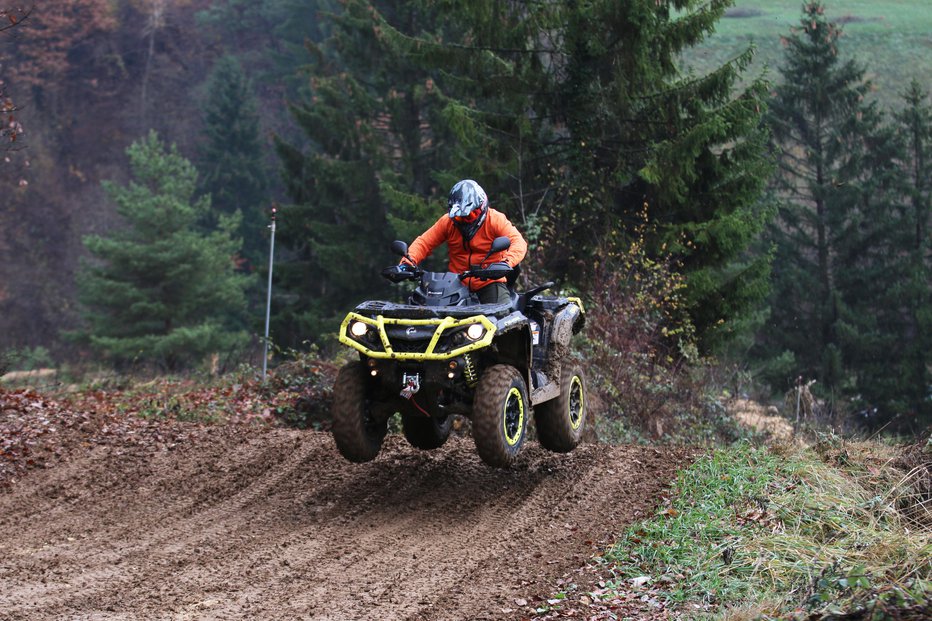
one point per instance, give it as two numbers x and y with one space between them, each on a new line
397 273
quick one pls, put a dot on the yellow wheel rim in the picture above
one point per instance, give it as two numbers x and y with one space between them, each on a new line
513 417
577 402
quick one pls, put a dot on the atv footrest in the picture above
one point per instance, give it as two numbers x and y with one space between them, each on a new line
545 393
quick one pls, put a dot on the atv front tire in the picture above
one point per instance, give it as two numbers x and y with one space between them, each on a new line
562 420
426 432
357 432
499 415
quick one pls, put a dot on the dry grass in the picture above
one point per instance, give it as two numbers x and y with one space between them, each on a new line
764 420
839 531
791 532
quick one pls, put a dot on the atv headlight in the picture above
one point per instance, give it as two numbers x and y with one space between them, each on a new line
475 331
358 329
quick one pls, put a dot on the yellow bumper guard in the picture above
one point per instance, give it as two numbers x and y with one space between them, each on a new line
447 323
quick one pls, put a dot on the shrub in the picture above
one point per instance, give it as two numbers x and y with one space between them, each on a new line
301 389
642 361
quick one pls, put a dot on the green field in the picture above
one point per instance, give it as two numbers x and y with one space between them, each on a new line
891 38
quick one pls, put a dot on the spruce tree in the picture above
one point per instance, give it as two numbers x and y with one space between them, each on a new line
160 290
688 149
232 162
870 270
820 122
267 37
335 233
915 125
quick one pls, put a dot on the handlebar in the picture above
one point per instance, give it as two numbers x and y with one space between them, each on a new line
401 272
492 272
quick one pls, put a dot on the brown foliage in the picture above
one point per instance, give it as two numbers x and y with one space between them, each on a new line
11 16
58 34
36 431
74 69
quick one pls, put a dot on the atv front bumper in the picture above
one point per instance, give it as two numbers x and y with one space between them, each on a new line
387 337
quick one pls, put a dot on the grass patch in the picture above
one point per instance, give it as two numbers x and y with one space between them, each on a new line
784 533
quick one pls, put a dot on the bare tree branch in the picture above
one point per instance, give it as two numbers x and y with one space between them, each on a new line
10 128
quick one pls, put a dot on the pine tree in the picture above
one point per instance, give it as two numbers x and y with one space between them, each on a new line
820 123
231 160
689 148
915 124
335 232
584 118
870 270
157 291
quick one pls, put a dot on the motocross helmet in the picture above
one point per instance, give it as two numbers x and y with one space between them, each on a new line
468 206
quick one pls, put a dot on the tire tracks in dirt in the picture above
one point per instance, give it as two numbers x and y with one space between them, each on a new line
272 523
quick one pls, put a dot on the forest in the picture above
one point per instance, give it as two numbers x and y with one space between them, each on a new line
767 229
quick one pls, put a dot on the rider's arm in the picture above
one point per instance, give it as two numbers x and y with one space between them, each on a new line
421 247
501 225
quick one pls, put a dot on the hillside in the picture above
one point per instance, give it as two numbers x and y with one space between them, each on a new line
892 38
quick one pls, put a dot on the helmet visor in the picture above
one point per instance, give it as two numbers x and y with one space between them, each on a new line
472 216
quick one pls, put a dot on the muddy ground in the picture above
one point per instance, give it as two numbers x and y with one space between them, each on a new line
271 523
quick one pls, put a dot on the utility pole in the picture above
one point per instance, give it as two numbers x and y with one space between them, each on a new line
268 301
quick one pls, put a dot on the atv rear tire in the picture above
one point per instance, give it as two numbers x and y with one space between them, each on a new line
426 432
357 432
561 421
500 413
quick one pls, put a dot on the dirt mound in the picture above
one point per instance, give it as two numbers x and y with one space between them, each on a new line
244 523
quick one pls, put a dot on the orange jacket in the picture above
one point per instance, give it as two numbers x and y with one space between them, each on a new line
463 253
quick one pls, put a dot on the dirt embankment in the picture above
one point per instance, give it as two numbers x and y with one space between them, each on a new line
247 523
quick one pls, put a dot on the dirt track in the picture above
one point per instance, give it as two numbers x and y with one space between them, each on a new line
273 524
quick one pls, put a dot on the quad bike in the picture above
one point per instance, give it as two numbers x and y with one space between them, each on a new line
444 354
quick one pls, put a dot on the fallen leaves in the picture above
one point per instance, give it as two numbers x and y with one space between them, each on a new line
586 594
156 415
36 430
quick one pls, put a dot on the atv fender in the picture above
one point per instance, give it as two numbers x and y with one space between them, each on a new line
564 324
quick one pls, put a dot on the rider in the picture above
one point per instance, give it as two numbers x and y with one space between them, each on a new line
469 229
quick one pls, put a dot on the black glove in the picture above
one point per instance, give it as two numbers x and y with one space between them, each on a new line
400 272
